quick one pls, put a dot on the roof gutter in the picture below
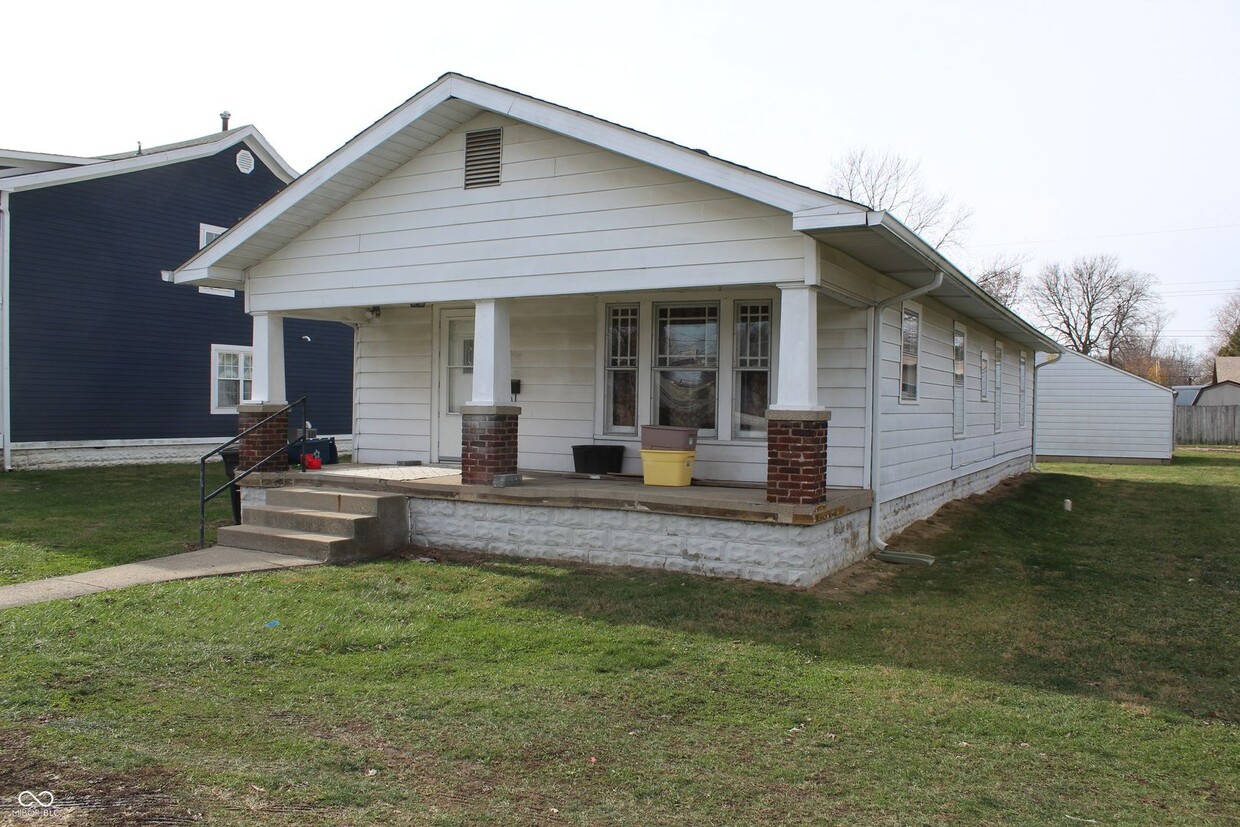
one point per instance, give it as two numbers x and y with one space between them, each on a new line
872 391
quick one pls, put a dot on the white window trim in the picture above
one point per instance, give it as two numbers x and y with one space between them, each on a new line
1024 389
998 387
959 327
216 350
645 362
205 230
984 369
906 307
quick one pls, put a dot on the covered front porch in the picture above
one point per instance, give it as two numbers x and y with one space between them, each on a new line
502 385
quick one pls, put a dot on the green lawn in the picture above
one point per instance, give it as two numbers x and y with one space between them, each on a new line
65 522
1050 668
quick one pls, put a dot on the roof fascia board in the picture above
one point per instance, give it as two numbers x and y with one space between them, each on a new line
102 169
274 161
226 277
889 225
45 157
320 173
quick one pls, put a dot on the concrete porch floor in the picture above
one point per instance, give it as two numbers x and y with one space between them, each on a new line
541 488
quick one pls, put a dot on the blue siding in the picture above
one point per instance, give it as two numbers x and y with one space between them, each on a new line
103 348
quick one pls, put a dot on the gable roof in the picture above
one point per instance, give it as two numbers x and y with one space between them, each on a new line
63 169
875 238
1227 368
1126 374
1212 386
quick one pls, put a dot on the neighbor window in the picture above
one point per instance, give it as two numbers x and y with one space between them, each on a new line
621 368
998 387
910 348
206 234
1024 379
232 373
751 383
686 366
958 356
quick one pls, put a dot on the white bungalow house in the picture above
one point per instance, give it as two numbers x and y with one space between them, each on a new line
524 278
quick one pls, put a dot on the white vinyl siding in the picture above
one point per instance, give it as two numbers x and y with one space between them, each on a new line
1090 409
843 371
392 388
920 448
569 219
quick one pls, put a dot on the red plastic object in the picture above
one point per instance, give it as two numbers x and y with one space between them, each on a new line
313 463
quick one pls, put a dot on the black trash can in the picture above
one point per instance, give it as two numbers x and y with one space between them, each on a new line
598 459
232 457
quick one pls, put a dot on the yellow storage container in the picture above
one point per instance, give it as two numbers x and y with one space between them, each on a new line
668 467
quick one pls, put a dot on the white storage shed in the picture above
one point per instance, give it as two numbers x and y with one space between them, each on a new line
1089 411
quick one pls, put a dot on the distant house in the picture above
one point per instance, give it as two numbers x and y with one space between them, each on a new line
1094 412
1226 392
1227 368
101 359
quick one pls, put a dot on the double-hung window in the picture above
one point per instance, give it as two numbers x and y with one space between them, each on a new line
206 234
958 359
910 350
686 366
620 391
751 359
998 387
1024 381
985 371
232 374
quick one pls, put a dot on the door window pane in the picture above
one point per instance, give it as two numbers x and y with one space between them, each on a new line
460 363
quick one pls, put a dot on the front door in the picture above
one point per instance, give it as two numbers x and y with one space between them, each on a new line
456 378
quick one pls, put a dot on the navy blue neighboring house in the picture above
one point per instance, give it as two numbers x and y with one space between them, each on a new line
101 359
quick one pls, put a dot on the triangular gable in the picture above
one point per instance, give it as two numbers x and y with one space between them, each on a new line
430 115
157 157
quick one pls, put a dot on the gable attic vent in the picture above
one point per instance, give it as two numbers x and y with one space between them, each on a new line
245 161
482 158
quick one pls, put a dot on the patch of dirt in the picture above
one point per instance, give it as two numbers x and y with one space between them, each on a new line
79 796
918 535
864 577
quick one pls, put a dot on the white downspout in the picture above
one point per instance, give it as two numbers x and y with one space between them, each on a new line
1033 442
874 399
6 418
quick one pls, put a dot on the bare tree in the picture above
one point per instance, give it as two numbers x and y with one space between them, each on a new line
1227 327
888 181
1002 276
1095 307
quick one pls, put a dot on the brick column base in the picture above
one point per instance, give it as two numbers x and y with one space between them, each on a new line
488 442
796 456
270 437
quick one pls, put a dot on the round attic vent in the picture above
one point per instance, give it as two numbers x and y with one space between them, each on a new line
245 161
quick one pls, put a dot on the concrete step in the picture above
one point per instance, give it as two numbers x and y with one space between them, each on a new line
319 499
323 547
332 523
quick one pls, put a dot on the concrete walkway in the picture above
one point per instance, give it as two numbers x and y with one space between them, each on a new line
204 563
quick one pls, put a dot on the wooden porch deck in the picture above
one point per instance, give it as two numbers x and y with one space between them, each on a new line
541 488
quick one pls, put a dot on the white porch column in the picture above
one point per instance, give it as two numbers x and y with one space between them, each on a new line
797 389
492 355
268 375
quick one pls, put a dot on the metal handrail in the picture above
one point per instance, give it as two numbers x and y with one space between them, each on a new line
204 497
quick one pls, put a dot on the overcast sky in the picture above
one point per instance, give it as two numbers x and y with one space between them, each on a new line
1069 128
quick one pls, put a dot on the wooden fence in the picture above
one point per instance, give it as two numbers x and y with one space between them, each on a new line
1207 425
